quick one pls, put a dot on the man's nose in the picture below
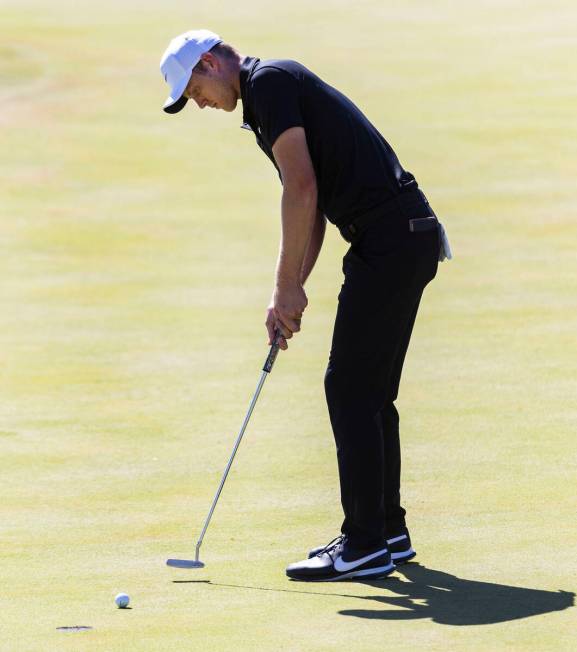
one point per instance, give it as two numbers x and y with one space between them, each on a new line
201 103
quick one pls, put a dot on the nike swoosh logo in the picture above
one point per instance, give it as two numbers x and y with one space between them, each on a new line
344 566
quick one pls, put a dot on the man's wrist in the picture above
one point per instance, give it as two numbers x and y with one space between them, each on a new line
284 280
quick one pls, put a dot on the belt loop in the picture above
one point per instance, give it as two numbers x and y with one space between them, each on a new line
405 187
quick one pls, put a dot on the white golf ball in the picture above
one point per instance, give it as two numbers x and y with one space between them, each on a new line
122 600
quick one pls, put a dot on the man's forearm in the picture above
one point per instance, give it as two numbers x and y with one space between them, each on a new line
299 211
314 246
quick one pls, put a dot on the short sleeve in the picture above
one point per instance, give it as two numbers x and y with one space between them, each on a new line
275 102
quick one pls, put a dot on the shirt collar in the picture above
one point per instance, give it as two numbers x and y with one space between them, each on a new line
247 66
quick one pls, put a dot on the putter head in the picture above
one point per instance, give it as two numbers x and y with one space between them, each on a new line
184 563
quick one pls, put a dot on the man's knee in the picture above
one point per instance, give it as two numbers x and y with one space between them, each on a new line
339 382
349 389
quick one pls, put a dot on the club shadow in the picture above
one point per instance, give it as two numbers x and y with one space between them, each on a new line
261 588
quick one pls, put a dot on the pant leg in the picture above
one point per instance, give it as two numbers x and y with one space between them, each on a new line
389 424
394 512
376 310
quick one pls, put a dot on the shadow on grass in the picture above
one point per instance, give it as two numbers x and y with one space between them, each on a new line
442 597
450 600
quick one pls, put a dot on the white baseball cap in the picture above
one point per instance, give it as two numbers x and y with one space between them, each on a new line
178 60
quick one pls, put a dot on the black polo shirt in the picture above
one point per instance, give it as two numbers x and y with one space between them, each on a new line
355 167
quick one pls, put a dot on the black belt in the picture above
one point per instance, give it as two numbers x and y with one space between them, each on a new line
397 210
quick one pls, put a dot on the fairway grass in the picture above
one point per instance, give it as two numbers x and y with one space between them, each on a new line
138 253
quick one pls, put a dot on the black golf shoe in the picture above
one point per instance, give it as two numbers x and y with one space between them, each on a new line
398 543
338 561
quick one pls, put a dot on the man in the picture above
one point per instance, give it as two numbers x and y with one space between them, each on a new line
333 164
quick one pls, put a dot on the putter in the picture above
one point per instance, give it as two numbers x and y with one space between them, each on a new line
268 365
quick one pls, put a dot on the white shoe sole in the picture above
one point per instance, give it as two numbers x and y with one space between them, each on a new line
402 557
368 572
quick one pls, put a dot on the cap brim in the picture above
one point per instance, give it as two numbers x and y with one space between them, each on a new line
177 106
176 100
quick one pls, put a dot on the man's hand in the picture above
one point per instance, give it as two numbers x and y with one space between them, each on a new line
285 311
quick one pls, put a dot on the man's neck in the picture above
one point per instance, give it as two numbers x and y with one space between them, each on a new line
235 70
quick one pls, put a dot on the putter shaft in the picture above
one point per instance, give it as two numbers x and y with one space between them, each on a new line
236 445
268 365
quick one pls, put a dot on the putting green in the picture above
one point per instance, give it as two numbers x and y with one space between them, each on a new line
137 262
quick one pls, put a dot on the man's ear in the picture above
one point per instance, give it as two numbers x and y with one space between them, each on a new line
211 61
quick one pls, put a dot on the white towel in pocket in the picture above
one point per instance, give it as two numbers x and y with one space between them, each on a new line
445 252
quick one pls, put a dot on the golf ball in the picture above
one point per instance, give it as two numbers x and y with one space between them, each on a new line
122 600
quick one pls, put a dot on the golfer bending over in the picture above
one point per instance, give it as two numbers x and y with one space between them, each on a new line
335 165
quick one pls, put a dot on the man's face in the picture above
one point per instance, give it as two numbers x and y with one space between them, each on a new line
212 87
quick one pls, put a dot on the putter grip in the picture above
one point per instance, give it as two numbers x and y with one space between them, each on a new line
274 349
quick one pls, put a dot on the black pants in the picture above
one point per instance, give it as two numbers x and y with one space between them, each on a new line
385 272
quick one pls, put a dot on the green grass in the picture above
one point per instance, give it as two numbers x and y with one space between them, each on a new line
138 253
